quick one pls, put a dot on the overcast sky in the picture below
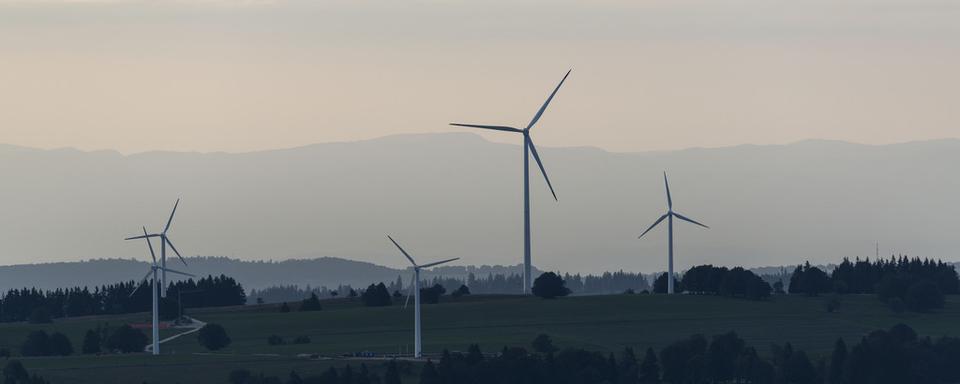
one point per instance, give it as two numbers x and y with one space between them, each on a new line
247 75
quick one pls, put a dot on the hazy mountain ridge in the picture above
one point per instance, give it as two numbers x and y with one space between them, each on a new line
447 195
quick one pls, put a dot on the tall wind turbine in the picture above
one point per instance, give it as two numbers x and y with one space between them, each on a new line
528 147
415 286
669 216
164 241
154 287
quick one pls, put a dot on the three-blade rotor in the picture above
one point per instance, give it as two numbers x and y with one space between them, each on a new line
527 141
153 266
416 268
164 239
670 211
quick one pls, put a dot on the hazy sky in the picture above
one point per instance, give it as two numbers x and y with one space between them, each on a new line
246 75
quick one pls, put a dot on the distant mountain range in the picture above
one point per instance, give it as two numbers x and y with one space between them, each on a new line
446 195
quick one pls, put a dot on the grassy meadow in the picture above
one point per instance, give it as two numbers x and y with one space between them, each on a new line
603 323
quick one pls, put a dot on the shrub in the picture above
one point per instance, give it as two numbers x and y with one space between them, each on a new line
284 308
91 342
37 344
60 345
304 339
213 337
126 339
549 285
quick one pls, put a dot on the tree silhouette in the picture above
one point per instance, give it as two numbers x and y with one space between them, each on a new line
213 337
549 285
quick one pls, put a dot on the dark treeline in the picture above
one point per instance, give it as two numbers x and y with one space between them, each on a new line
41 306
606 283
915 283
895 356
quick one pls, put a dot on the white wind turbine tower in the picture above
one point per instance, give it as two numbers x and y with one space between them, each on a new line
415 286
164 241
669 216
154 287
528 147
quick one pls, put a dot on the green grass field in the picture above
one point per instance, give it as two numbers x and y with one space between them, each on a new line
603 323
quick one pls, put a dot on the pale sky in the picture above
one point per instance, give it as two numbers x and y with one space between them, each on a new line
221 75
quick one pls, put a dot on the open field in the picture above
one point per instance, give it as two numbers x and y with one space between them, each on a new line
605 323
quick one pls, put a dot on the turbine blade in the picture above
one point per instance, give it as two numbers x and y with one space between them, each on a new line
689 220
150 245
543 171
177 272
140 237
175 250
494 127
544 107
144 280
667 185
409 290
402 251
438 263
170 220
654 224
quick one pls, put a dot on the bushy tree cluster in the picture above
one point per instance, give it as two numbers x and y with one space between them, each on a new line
896 356
432 295
549 285
41 306
460 292
15 373
39 343
809 280
661 282
913 283
736 282
376 295
126 339
213 337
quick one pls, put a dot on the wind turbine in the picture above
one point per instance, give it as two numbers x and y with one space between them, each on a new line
154 287
415 286
164 241
527 147
669 216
